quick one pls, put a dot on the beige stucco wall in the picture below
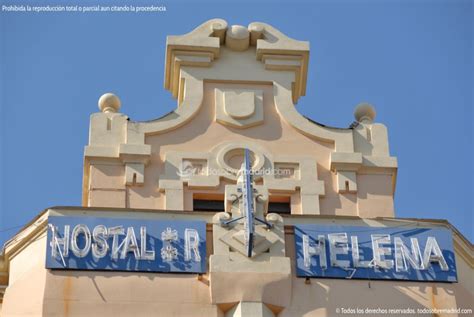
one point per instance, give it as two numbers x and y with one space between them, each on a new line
373 198
27 279
34 290
236 87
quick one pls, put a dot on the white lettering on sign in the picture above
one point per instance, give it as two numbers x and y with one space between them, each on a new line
380 252
402 254
147 255
433 254
100 246
310 250
57 242
405 257
356 254
84 230
124 243
130 244
115 232
191 245
338 245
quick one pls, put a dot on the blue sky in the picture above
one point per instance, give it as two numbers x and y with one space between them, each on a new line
411 59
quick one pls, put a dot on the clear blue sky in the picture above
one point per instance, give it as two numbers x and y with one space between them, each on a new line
411 59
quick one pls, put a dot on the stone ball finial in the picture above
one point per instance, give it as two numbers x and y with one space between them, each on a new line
274 218
364 112
109 103
256 32
237 38
218 29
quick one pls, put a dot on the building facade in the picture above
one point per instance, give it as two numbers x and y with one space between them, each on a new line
165 228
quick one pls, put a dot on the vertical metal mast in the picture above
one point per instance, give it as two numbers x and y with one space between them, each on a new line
245 187
247 196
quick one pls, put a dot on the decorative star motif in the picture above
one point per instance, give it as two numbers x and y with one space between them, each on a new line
169 235
169 253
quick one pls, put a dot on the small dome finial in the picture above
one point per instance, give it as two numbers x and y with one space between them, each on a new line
237 38
364 112
109 103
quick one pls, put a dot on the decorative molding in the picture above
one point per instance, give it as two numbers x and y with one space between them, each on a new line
239 108
306 184
226 150
202 45
206 38
279 52
214 52
268 265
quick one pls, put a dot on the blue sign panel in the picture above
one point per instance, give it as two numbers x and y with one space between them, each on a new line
123 244
393 253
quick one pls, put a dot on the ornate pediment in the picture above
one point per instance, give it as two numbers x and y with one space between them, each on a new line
203 45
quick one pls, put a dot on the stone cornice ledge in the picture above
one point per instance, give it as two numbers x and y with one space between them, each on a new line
279 52
206 38
356 161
